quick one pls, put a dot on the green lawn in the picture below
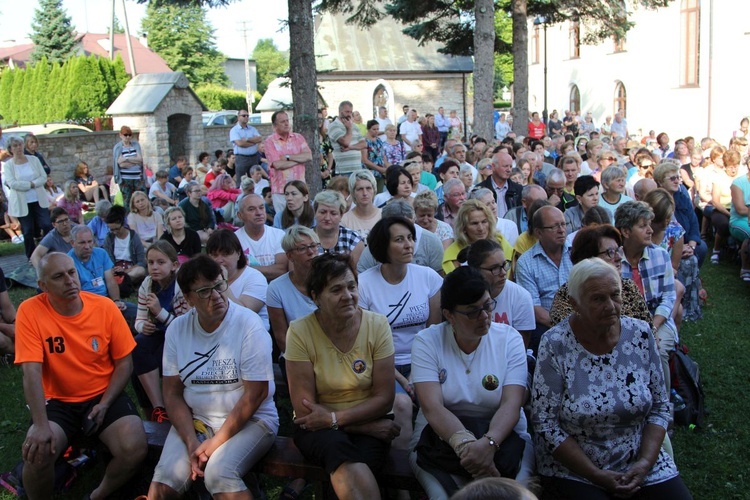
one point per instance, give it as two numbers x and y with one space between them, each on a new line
713 461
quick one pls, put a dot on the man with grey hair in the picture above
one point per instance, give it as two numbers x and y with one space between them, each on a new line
619 127
454 194
428 250
507 193
75 352
556 195
383 121
410 129
520 215
347 141
260 243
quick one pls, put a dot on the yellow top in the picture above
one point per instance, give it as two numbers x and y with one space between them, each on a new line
451 253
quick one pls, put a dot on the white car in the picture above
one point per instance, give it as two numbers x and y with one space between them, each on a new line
45 129
226 117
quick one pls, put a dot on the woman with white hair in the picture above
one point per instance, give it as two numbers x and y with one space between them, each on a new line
364 214
329 207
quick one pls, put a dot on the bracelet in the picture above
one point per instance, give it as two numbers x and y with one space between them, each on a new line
492 441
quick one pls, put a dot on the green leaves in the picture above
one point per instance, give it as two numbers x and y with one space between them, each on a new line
270 61
52 32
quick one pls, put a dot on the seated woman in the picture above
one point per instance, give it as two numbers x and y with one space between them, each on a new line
721 200
590 444
97 224
54 193
415 289
70 202
142 218
198 213
470 375
298 209
57 240
474 222
514 305
160 300
340 365
399 185
506 227
247 285
613 184
425 207
329 206
586 189
223 420
223 193
364 214
184 240
739 214
124 247
605 242
89 189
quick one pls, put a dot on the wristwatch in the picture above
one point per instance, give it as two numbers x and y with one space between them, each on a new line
287 158
334 422
492 441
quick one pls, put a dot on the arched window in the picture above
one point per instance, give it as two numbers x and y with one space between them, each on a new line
689 42
575 98
621 99
379 98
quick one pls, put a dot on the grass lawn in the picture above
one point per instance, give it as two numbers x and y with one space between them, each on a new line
710 460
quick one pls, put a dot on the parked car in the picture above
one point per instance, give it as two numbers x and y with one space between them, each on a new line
226 117
45 129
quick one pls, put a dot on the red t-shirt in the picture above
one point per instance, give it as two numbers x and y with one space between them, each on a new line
536 131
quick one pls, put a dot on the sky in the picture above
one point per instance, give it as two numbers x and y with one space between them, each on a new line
262 19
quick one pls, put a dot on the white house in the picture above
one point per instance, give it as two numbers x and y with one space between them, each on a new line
682 69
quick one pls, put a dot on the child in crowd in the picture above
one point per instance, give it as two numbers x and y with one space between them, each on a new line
163 189
268 202
71 202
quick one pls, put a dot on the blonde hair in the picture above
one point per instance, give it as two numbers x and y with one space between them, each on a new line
462 221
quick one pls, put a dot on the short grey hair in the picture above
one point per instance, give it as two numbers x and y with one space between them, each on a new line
362 175
611 173
466 168
593 268
330 198
526 190
629 213
102 207
345 103
663 169
479 193
451 183
556 175
426 199
293 235
398 208
14 140
78 229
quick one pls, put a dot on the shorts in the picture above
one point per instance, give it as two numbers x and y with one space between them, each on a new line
740 229
404 370
71 416
330 448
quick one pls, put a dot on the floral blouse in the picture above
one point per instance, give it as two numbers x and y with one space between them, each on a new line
603 402
396 153
376 154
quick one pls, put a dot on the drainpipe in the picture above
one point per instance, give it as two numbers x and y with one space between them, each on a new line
710 63
463 99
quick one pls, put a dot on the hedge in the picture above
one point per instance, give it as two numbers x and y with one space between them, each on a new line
216 97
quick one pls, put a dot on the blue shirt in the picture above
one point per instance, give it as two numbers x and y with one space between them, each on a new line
442 123
657 276
91 273
174 172
247 132
540 276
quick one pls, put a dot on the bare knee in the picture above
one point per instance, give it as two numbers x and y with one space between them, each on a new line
402 405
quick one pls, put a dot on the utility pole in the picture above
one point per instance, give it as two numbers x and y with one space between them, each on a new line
249 95
133 72
112 34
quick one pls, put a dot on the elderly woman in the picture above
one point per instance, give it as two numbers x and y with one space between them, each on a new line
417 290
738 220
425 207
414 165
298 209
605 242
185 241
599 405
198 213
395 150
223 419
446 171
146 222
651 269
613 184
470 376
340 365
474 222
364 214
329 207
24 179
667 176
247 286
127 165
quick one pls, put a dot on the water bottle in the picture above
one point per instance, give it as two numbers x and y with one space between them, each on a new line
677 401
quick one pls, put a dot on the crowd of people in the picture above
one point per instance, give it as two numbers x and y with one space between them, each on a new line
496 307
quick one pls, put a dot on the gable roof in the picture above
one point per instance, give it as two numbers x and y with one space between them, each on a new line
144 93
342 47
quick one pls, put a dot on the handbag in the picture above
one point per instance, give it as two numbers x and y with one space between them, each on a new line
438 458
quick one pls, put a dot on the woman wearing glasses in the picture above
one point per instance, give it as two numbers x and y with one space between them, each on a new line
218 389
127 165
470 376
605 242
514 305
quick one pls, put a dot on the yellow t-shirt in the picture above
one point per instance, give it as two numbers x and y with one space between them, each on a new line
524 242
451 253
342 379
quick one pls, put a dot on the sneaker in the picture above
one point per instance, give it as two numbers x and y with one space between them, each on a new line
715 258
17 240
159 415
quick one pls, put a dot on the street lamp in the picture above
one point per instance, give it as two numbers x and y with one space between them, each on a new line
543 21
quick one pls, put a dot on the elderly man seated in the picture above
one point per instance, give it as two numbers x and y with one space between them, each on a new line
454 194
75 350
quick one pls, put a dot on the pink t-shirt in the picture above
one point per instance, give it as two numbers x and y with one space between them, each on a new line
276 149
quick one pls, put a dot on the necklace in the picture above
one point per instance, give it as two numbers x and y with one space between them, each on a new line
463 356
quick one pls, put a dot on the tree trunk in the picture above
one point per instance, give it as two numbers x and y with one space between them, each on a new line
304 84
520 69
484 67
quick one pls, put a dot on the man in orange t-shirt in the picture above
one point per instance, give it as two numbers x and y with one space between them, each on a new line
75 349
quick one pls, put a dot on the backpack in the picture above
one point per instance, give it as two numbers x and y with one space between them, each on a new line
686 381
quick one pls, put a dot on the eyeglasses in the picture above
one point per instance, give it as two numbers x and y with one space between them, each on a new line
456 195
498 269
611 252
62 221
127 135
243 115
673 178
551 189
306 248
555 227
647 165
206 291
475 313
610 158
